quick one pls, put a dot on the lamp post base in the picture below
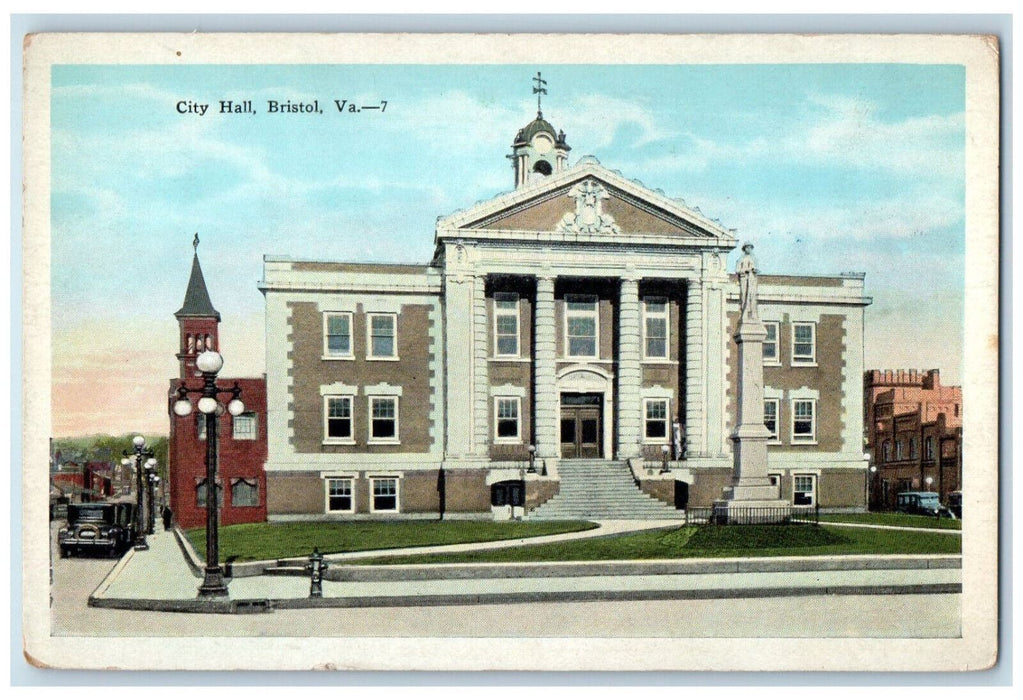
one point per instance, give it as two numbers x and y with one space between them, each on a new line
141 545
213 584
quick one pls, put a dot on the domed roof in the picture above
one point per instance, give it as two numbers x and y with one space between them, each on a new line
533 128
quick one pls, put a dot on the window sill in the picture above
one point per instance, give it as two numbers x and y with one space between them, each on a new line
804 363
370 358
800 443
383 442
340 512
508 358
393 512
338 357
658 361
507 441
772 363
338 442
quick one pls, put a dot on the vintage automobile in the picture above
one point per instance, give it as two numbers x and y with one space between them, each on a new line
922 503
103 528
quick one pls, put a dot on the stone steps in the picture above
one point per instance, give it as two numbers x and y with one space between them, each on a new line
601 490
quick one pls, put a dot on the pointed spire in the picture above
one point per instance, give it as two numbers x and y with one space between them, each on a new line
197 299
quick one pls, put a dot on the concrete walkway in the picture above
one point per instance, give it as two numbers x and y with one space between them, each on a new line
161 578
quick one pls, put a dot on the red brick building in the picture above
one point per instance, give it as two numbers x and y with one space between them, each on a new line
241 439
914 432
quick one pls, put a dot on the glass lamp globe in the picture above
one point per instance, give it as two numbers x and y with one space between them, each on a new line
209 362
207 404
138 441
151 462
236 407
125 462
664 449
182 407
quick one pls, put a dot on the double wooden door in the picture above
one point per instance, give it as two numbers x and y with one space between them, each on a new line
581 426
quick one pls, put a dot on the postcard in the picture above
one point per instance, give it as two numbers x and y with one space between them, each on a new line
511 352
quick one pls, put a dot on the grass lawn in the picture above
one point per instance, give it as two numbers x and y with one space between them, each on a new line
266 541
898 519
708 541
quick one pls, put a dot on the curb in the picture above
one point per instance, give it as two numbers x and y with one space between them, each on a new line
269 605
419 572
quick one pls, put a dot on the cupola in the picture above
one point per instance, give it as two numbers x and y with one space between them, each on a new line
538 151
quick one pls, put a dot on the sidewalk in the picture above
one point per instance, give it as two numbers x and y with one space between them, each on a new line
161 578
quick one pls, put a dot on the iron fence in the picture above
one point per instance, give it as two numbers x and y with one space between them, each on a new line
774 515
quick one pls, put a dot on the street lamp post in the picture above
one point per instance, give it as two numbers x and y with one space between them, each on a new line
209 364
153 482
138 453
665 469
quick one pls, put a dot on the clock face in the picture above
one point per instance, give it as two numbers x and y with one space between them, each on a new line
542 143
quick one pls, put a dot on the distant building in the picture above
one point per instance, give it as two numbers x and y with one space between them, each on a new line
914 432
242 439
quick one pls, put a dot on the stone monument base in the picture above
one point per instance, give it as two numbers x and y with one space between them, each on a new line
759 511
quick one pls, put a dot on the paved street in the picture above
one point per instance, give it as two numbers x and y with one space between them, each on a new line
935 615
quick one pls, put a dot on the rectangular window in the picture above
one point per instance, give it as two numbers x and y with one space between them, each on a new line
244 427
339 495
382 336
337 334
898 450
338 419
383 424
804 423
929 448
771 416
506 324
804 346
244 493
771 353
508 425
581 323
385 494
655 327
804 489
656 419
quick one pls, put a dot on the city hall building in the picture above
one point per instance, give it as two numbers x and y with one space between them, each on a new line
567 351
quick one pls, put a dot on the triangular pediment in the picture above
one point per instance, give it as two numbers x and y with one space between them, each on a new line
588 200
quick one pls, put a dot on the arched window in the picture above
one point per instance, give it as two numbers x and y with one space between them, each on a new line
198 343
886 450
191 343
209 342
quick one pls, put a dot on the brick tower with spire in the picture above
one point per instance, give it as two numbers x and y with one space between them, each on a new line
241 439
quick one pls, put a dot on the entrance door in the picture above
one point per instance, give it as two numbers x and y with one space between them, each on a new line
580 426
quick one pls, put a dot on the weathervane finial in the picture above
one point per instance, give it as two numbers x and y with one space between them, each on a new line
195 242
538 91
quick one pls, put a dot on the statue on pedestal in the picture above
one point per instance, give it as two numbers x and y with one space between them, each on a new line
746 269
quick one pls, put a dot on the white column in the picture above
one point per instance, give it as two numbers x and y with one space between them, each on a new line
714 365
630 374
480 372
458 339
694 397
545 389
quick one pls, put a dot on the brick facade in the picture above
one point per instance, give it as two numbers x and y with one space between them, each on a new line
914 432
242 440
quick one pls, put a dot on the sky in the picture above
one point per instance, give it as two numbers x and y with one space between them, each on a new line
825 168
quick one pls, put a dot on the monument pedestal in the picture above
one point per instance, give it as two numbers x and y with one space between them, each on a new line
751 498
